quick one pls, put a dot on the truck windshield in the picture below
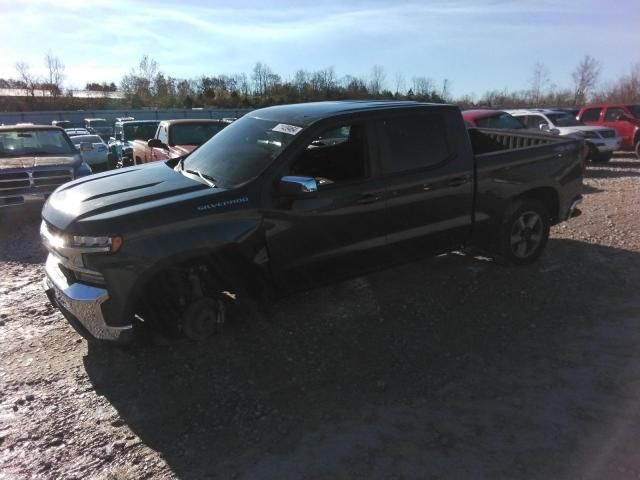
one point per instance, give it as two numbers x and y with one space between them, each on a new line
35 142
635 109
241 151
141 131
98 123
193 133
564 120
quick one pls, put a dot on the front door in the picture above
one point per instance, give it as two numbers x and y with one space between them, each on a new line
336 231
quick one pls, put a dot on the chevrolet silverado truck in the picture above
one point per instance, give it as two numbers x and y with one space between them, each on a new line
175 138
34 161
294 196
125 133
625 119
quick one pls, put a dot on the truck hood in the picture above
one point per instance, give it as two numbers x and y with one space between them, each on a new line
580 128
118 193
37 161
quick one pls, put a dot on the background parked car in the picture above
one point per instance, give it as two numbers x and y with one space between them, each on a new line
625 119
34 161
93 150
175 138
61 123
490 118
99 126
601 141
125 132
77 131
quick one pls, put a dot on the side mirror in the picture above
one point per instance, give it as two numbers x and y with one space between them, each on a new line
86 147
156 143
297 187
544 127
118 137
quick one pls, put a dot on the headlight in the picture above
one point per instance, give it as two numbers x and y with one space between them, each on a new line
79 243
98 244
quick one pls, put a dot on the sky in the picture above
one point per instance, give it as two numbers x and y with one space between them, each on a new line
478 45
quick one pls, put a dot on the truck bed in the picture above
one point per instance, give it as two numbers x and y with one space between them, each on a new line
490 141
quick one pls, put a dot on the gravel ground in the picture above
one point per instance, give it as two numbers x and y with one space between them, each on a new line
453 367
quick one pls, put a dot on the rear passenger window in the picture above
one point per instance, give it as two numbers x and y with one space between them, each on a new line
415 141
613 114
591 115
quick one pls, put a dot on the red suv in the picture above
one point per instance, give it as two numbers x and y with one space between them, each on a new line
625 119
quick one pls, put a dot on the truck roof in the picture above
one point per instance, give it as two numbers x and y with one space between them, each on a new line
304 114
29 127
192 120
533 111
129 122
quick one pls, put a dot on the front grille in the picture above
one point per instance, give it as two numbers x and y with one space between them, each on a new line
607 133
39 180
14 180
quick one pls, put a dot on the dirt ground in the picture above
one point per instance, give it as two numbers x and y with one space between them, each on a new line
454 367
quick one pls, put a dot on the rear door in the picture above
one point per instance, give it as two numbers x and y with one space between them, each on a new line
336 231
429 182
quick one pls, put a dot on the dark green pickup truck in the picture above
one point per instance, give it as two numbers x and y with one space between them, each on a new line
293 196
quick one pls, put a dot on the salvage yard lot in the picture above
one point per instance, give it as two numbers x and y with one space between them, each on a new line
452 367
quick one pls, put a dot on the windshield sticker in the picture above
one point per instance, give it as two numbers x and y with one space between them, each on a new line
284 128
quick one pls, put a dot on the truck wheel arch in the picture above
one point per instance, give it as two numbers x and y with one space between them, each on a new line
227 268
548 196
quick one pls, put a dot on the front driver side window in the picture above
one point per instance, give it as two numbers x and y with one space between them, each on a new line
338 154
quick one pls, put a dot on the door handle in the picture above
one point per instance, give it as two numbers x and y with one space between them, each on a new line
456 182
368 198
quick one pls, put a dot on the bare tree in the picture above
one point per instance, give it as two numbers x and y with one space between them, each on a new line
56 73
139 81
400 83
422 86
539 82
377 78
29 80
445 93
585 77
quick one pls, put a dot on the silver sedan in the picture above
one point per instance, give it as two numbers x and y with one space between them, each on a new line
93 149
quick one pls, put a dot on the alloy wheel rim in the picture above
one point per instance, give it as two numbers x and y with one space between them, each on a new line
526 234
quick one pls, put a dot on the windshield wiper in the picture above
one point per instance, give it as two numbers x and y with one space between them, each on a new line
206 178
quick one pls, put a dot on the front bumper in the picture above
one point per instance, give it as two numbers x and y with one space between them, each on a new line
82 305
573 210
606 145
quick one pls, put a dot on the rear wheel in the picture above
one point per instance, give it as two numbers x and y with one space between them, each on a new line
525 232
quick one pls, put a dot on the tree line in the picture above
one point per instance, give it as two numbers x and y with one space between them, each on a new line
147 86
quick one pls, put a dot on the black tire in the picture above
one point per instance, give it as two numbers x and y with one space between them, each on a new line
525 232
597 157
637 149
603 157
